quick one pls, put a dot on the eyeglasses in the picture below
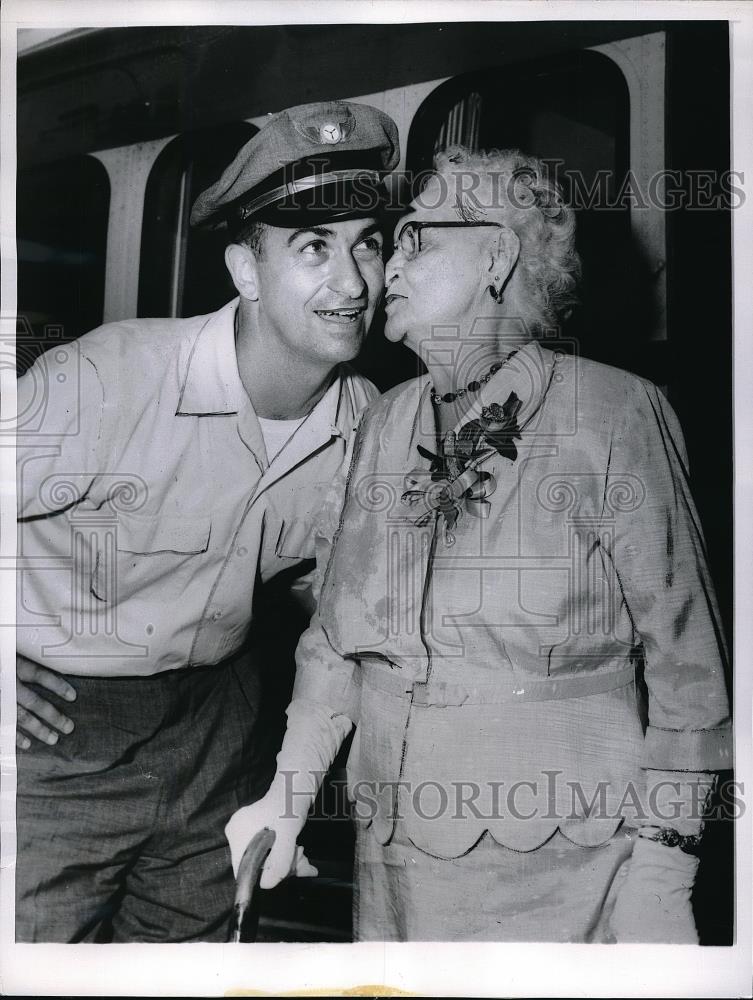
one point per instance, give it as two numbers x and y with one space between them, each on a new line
408 240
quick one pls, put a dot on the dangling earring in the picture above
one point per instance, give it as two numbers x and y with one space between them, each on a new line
495 293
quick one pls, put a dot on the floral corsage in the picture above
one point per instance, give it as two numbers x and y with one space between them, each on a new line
454 480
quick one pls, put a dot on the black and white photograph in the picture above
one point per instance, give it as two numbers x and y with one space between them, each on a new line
375 442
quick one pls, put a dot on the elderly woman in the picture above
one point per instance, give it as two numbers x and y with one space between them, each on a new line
517 548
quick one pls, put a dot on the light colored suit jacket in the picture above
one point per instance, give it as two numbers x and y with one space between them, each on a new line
493 680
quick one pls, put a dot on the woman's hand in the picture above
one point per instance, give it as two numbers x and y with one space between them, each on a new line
653 905
286 857
314 735
37 717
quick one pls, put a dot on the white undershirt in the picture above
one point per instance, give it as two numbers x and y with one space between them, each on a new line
277 433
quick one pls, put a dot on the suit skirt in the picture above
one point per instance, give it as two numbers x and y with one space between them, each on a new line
559 892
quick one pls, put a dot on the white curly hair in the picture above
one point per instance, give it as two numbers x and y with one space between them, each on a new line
516 189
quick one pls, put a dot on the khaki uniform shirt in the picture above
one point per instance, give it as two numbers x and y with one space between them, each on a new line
148 508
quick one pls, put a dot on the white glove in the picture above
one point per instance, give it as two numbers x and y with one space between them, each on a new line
285 858
653 905
312 739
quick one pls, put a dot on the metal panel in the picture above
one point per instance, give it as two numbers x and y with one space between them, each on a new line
642 63
128 168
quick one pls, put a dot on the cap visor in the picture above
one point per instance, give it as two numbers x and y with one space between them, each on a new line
358 198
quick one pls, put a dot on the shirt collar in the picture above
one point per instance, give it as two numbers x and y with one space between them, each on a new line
212 383
342 404
327 412
315 432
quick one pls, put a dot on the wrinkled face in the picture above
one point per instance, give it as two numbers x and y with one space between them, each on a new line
446 282
318 288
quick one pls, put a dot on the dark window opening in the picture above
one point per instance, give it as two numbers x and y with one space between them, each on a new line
61 233
574 113
182 270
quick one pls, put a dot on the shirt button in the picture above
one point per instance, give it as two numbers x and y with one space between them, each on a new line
216 616
241 550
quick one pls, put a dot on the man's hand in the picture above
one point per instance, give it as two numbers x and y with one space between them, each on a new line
38 717
653 905
285 858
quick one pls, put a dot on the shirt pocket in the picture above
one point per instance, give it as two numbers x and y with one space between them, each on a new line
144 551
295 540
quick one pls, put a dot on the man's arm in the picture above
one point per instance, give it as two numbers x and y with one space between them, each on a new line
59 429
59 424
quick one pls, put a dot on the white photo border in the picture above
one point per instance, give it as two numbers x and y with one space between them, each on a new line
445 969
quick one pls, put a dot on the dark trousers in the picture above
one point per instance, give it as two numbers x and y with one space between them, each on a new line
120 825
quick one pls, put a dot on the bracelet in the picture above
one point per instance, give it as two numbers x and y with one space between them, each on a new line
669 837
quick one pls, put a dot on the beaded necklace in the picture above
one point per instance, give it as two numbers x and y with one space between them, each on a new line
473 386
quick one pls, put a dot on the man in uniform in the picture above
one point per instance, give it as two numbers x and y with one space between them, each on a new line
170 467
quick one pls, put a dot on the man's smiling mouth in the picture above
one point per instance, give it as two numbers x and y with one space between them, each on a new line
341 315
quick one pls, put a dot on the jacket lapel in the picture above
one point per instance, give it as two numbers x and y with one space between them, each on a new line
528 375
326 421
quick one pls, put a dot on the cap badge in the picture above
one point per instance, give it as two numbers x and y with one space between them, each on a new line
329 132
